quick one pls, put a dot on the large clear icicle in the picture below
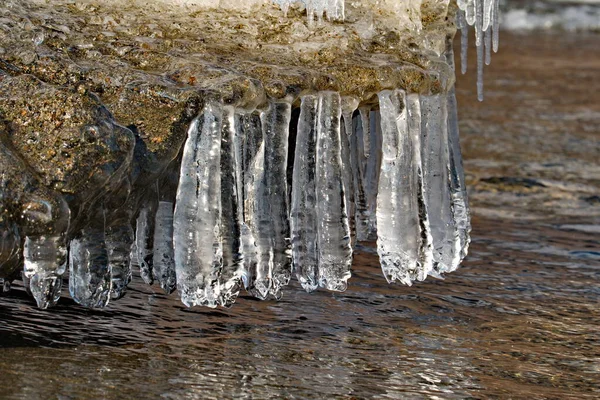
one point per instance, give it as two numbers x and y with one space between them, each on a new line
399 233
335 252
274 228
303 216
44 265
119 237
230 280
164 256
144 240
438 199
89 271
256 272
196 220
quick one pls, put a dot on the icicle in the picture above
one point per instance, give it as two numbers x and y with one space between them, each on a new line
196 220
144 236
119 238
358 172
89 271
488 46
399 234
164 256
348 180
480 50
349 160
458 187
372 172
303 214
425 265
230 280
257 273
436 165
487 13
274 228
335 253
496 26
44 266
365 113
464 41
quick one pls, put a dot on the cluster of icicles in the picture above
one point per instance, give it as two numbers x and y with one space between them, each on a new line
234 221
484 15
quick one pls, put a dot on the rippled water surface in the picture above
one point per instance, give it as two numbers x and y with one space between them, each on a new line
520 319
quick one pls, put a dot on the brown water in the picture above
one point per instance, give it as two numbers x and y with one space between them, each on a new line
520 319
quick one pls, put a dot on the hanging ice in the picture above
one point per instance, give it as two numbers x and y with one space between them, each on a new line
164 257
143 237
335 253
436 166
196 220
303 217
230 280
45 263
483 15
272 214
402 241
89 271
256 272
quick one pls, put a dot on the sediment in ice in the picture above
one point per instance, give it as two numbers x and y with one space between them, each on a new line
229 151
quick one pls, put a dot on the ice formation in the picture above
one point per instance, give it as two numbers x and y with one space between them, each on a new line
240 175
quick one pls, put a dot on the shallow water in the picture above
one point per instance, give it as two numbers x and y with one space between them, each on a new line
519 319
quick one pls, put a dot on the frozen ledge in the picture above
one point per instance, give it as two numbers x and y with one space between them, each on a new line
213 149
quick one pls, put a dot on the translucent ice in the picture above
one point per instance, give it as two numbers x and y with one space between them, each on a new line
303 217
196 220
436 167
89 271
164 257
335 253
400 240
273 217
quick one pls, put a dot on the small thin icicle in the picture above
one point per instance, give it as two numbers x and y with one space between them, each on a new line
438 199
487 13
196 219
365 112
144 240
480 51
372 172
464 41
44 265
349 105
303 215
358 172
230 279
496 26
164 256
89 271
274 218
488 46
335 252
